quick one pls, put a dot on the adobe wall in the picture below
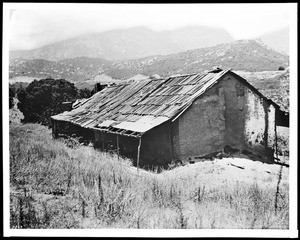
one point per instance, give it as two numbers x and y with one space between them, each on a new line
201 129
250 119
272 130
156 147
227 114
235 101
260 129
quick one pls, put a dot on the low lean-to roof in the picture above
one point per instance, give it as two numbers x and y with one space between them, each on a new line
133 109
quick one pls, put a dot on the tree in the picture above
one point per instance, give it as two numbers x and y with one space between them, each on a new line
43 98
12 93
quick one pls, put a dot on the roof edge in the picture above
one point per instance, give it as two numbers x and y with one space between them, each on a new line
187 106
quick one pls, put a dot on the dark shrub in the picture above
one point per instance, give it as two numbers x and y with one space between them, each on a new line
43 98
12 92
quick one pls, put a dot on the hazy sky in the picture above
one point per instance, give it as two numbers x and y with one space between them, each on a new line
34 25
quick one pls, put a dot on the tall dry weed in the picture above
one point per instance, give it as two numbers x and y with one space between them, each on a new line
77 186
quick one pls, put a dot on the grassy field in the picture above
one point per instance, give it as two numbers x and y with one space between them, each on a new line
55 186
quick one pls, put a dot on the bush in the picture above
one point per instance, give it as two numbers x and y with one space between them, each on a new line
43 98
84 93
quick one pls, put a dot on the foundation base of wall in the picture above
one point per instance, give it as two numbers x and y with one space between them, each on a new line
231 152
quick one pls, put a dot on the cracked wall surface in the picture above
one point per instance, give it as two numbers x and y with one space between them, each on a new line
229 114
255 123
201 128
260 129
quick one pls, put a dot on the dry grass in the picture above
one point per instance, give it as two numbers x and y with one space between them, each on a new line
283 143
54 186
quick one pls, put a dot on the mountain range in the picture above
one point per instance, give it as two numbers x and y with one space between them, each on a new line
129 43
247 55
244 55
138 42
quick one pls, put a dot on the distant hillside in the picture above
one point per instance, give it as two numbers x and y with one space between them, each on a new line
129 43
243 55
76 69
278 40
246 55
273 84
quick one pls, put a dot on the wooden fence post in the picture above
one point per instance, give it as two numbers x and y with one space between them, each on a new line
138 154
118 146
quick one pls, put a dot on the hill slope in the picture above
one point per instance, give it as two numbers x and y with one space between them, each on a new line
76 69
129 43
244 55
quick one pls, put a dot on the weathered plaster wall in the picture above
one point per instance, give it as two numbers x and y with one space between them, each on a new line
201 128
214 120
271 127
156 147
255 123
250 119
234 93
260 131
227 114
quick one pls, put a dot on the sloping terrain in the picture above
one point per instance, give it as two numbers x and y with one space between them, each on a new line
76 69
245 55
214 173
55 186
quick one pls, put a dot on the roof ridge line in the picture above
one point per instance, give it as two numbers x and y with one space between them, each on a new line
183 75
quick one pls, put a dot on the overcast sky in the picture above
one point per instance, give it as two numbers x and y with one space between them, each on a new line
35 25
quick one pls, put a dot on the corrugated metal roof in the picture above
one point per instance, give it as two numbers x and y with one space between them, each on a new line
133 109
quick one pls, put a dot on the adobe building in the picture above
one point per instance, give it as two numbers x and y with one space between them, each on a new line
175 119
